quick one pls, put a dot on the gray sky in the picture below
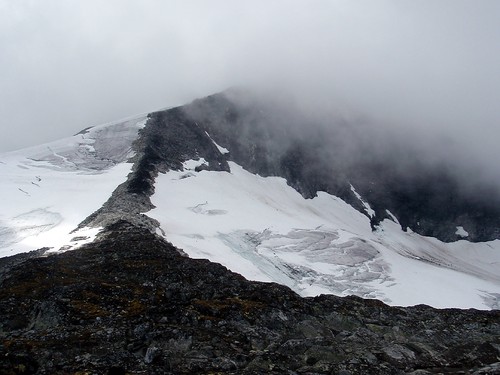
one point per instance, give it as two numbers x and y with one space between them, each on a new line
431 66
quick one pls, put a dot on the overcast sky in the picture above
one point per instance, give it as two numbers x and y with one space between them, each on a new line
431 65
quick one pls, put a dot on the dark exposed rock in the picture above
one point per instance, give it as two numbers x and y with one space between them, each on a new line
265 140
330 156
132 304
167 140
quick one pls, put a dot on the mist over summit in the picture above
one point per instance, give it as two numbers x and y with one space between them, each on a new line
403 172
245 233
272 191
335 211
428 66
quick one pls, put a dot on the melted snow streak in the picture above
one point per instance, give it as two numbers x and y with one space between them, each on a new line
49 189
266 231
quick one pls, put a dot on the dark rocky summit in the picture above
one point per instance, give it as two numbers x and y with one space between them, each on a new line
329 154
312 155
131 303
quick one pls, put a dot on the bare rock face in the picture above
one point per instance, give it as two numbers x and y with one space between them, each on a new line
132 304
312 155
327 154
168 139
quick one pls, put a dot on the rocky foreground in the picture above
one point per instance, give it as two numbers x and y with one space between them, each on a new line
131 303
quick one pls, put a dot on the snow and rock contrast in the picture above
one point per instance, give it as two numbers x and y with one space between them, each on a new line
49 189
237 184
239 191
230 180
129 303
265 230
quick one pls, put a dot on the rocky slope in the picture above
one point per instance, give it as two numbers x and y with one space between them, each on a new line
330 154
131 303
268 140
313 155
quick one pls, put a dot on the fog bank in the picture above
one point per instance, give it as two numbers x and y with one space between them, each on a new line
426 71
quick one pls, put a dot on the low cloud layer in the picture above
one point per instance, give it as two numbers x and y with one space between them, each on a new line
426 69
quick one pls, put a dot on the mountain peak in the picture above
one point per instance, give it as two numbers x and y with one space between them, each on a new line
275 194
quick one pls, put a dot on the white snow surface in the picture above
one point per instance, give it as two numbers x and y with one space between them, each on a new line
221 149
259 227
265 230
47 190
370 211
461 232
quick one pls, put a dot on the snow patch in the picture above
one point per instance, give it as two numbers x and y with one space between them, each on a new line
142 123
221 149
369 210
191 165
461 232
392 216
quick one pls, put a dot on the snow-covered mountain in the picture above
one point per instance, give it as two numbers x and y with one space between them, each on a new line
240 184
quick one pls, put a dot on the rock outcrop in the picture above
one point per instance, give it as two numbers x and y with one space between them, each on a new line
329 154
312 155
131 303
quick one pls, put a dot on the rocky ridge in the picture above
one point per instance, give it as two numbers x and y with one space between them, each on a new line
167 140
328 154
267 142
130 303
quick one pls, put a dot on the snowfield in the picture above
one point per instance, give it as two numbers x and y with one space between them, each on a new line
48 190
265 230
258 227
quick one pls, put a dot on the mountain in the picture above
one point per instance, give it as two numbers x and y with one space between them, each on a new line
100 233
130 303
268 193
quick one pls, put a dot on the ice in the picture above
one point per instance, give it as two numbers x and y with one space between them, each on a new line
257 226
49 189
461 232
265 230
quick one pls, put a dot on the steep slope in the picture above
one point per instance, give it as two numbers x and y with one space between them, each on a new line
332 155
237 181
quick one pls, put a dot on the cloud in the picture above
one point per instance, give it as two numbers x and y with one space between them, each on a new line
427 67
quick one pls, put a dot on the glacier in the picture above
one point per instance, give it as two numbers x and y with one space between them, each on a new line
48 190
265 230
259 227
